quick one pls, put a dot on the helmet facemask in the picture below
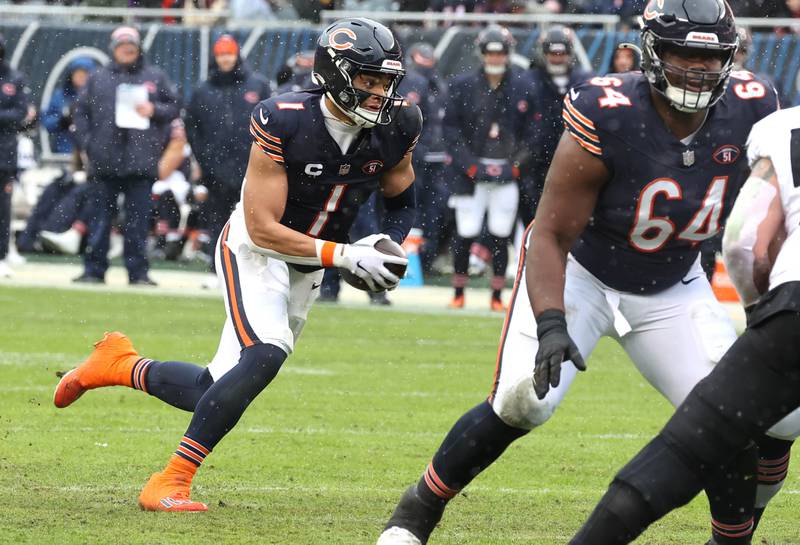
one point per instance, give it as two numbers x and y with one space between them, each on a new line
495 39
564 51
689 90
350 99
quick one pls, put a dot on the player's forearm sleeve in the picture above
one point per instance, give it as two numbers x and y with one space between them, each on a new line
401 211
741 232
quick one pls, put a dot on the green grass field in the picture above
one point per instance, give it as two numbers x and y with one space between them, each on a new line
323 454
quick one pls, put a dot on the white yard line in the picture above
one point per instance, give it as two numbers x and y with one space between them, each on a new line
323 489
268 430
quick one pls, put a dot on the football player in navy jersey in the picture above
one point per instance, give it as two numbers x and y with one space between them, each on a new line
316 156
647 169
757 382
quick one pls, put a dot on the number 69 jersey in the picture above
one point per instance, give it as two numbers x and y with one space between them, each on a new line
665 196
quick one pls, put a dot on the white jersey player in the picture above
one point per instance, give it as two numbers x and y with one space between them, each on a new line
762 238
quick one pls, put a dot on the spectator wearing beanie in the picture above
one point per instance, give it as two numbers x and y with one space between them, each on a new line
122 150
217 125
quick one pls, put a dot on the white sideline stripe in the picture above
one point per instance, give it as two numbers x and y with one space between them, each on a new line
430 300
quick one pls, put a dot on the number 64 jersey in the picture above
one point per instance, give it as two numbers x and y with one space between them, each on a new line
665 196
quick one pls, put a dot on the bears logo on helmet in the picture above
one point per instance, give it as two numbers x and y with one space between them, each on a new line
337 62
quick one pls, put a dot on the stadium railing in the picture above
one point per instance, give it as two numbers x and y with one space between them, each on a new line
184 50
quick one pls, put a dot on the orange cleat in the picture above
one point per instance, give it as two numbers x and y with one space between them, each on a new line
457 302
497 305
110 364
169 492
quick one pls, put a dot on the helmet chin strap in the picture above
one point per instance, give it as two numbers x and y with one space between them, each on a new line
687 101
557 69
364 117
494 69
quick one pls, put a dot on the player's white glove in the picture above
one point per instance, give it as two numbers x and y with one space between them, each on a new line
365 261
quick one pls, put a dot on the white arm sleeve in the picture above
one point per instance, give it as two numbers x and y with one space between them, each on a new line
741 231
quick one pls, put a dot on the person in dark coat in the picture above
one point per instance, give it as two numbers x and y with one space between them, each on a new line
486 127
423 86
57 118
122 120
13 112
216 125
553 72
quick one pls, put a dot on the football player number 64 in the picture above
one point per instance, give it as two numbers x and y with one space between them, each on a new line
650 233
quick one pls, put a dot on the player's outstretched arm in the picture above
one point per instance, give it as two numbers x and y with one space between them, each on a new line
571 188
754 233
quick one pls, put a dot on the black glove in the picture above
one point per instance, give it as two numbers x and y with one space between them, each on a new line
555 347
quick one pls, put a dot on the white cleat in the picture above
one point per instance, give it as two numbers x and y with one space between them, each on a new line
68 242
398 536
14 259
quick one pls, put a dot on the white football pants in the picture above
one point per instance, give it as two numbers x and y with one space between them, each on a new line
498 201
674 338
266 300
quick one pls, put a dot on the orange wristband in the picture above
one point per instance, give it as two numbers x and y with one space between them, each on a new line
326 253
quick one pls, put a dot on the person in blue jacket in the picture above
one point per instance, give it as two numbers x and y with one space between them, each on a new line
57 118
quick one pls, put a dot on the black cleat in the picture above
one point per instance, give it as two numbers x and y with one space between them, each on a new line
146 281
379 298
88 279
412 519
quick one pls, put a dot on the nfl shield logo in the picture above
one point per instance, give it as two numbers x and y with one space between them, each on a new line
688 158
344 170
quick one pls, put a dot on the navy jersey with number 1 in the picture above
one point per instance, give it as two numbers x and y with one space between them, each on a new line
326 186
664 197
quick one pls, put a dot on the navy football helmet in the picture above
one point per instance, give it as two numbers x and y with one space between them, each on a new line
688 24
495 39
557 39
349 47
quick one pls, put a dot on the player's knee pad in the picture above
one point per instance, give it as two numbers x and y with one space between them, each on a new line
787 429
773 466
296 324
765 493
661 474
517 405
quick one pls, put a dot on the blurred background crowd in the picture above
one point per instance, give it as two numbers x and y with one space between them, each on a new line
310 9
154 175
